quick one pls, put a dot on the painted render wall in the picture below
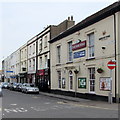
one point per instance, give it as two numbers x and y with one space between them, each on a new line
101 57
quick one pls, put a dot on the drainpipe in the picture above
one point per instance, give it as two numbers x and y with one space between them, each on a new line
115 57
36 80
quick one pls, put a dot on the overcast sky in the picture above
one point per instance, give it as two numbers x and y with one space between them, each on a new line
20 20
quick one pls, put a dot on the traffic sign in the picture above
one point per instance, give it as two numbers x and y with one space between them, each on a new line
111 64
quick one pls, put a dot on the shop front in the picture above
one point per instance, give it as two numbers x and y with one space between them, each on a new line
23 77
31 78
43 79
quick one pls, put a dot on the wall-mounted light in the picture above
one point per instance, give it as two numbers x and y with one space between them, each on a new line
103 47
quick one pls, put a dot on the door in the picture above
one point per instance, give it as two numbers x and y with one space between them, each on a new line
92 80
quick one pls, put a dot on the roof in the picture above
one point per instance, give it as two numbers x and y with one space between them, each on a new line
108 11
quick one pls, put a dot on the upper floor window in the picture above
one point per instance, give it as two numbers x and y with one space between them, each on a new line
40 62
58 54
29 63
33 48
46 62
91 46
30 51
40 45
70 58
45 43
33 64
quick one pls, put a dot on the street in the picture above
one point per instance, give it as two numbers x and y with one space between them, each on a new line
21 105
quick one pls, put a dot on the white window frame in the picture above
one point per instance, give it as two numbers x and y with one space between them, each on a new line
58 54
91 45
91 79
70 58
59 79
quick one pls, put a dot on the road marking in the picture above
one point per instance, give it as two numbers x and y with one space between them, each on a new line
16 110
35 97
0 109
47 103
13 104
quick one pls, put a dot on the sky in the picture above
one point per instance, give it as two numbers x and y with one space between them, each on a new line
20 20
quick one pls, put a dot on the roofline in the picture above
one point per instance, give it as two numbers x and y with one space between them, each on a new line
105 12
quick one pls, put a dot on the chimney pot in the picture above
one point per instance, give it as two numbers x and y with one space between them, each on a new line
71 18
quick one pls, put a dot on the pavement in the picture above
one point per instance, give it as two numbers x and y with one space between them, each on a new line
84 102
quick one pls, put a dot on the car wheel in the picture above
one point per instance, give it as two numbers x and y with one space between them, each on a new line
26 91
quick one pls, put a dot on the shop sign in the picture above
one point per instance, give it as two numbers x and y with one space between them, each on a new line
105 83
82 83
79 45
41 72
79 54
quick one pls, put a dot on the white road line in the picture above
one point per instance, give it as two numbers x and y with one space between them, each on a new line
13 104
0 109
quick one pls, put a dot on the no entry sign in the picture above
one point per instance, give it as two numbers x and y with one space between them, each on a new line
111 64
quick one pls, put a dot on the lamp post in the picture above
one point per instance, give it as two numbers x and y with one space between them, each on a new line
76 72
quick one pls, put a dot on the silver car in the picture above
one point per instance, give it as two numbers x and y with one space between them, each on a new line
1 94
29 88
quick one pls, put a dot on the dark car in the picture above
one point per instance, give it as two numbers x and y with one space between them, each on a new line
19 87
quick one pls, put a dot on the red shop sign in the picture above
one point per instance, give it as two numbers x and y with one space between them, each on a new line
79 45
41 72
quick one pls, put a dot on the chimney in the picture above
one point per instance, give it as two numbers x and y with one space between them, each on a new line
71 18
68 18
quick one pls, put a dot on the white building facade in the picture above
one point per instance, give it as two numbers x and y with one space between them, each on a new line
80 55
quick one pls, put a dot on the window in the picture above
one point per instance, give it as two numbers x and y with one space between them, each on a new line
33 48
59 78
92 79
58 54
40 62
33 64
91 45
63 83
25 53
45 44
40 45
30 51
70 58
29 63
71 79
46 61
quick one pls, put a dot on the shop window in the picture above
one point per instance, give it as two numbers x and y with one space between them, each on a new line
71 79
70 58
59 78
91 49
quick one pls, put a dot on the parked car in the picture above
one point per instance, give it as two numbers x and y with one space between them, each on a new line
29 88
1 94
19 87
5 85
12 86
